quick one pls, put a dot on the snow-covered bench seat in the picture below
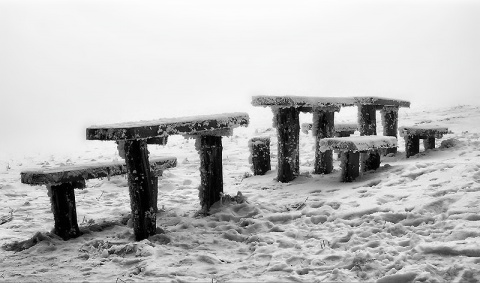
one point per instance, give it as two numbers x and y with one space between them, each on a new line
341 129
351 147
132 139
413 134
61 182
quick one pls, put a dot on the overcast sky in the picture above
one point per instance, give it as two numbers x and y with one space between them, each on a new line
65 65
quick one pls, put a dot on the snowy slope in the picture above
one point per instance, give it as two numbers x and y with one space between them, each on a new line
413 220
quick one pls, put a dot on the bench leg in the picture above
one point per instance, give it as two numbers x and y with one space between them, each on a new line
367 122
350 166
288 134
64 209
412 145
260 154
429 143
341 134
140 189
370 160
211 172
324 128
390 124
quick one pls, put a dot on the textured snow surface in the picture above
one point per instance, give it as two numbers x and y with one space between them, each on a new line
358 143
412 220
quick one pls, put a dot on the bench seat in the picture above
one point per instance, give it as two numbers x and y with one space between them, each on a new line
74 173
352 149
413 134
61 182
359 143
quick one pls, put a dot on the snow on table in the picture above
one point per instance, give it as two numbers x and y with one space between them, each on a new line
193 125
308 103
380 101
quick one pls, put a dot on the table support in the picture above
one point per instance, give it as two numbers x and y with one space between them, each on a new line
367 123
323 127
288 135
140 183
211 172
390 124
64 210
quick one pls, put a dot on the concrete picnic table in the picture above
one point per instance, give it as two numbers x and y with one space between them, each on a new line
286 111
132 139
367 122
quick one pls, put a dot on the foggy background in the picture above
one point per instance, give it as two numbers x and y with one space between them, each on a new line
66 65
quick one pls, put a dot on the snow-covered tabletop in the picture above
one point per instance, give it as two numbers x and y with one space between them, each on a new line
217 124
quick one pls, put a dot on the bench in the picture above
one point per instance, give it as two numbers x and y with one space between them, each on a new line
132 139
413 134
61 182
341 130
355 148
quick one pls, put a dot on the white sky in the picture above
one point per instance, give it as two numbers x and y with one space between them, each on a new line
65 65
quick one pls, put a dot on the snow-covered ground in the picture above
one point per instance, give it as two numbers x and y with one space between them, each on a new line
413 220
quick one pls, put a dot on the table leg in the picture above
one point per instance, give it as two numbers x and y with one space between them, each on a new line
211 172
412 145
367 122
140 188
64 209
288 134
323 127
390 124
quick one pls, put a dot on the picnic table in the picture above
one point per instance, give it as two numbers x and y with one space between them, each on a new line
133 138
286 111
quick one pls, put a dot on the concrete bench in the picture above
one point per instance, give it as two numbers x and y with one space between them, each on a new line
355 148
133 137
413 134
341 129
61 182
